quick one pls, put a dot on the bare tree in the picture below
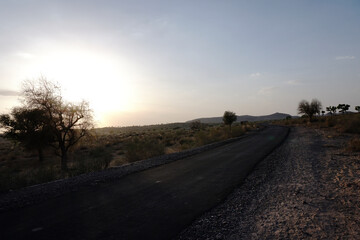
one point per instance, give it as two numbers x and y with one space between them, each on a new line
309 109
68 122
228 118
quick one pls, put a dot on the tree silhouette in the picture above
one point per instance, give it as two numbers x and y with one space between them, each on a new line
228 118
343 108
331 109
67 122
357 108
29 127
309 109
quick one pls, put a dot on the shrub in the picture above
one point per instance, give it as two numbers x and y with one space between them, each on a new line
96 159
210 135
237 131
138 149
195 125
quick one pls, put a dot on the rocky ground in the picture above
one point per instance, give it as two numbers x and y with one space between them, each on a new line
307 188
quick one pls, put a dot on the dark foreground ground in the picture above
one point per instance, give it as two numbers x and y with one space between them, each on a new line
154 204
308 188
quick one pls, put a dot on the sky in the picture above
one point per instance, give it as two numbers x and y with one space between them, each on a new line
151 62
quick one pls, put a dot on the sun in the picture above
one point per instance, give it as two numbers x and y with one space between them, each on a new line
101 79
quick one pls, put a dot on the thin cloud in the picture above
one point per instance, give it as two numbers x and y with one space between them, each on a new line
345 57
8 93
255 75
265 91
157 26
25 55
293 82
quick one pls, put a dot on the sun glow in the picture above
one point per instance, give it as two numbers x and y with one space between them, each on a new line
103 80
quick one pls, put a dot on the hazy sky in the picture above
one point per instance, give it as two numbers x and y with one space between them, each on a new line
146 62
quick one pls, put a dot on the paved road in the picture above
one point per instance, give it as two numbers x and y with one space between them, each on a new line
154 204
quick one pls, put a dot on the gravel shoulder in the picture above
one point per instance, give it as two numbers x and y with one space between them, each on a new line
308 188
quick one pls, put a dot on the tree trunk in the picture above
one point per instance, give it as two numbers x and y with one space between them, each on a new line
310 117
64 159
41 155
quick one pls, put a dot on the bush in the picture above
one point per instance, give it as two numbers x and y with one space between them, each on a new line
138 149
195 125
210 135
96 159
237 131
187 143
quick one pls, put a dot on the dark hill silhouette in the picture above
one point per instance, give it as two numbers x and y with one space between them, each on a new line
274 116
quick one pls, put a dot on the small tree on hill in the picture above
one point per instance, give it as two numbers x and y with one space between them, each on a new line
309 109
228 118
331 109
343 108
357 108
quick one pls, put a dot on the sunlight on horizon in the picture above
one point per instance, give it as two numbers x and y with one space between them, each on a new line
105 81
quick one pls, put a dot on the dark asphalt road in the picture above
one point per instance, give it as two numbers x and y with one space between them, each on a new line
154 204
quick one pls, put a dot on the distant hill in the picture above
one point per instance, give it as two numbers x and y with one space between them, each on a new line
274 116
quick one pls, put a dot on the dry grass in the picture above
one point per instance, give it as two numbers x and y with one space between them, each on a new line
346 123
335 125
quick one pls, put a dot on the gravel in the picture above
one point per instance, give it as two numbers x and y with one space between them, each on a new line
308 188
34 194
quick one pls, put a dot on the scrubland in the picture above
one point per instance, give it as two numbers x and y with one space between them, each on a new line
334 125
107 147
